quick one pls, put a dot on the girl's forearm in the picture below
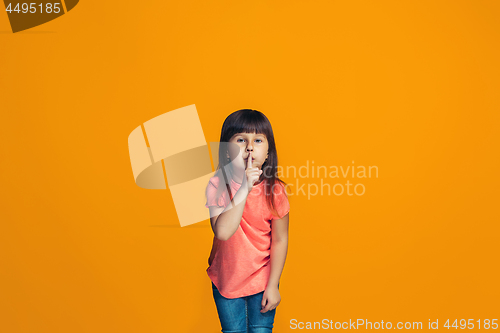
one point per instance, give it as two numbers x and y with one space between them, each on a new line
228 221
278 256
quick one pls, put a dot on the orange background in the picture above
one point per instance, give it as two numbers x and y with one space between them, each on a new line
411 87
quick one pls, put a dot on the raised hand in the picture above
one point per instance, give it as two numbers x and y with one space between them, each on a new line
252 174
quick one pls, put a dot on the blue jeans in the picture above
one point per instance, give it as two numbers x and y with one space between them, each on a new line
242 315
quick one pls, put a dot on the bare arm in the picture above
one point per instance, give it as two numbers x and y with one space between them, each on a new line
225 221
279 249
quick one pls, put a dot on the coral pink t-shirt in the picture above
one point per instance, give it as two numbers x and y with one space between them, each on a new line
241 264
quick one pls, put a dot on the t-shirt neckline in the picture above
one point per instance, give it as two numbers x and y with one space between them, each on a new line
232 180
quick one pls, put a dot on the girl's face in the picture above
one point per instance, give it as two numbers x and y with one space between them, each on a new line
257 144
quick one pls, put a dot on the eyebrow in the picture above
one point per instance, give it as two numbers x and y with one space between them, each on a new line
245 134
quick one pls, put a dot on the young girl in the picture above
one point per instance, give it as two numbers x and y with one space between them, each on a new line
249 217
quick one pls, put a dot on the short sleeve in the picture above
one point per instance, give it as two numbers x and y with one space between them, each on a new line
211 193
281 201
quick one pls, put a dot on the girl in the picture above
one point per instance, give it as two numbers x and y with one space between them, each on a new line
249 217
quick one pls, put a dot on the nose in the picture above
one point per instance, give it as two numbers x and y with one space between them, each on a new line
249 148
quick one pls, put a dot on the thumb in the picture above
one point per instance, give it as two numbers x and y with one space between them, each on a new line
263 303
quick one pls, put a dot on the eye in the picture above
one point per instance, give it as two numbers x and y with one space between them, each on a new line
259 140
240 140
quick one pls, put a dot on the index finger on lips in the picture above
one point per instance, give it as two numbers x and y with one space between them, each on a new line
249 160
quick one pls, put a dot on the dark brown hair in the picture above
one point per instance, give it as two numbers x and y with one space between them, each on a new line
250 121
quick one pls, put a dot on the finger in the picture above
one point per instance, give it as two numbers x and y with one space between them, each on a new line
249 160
254 172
